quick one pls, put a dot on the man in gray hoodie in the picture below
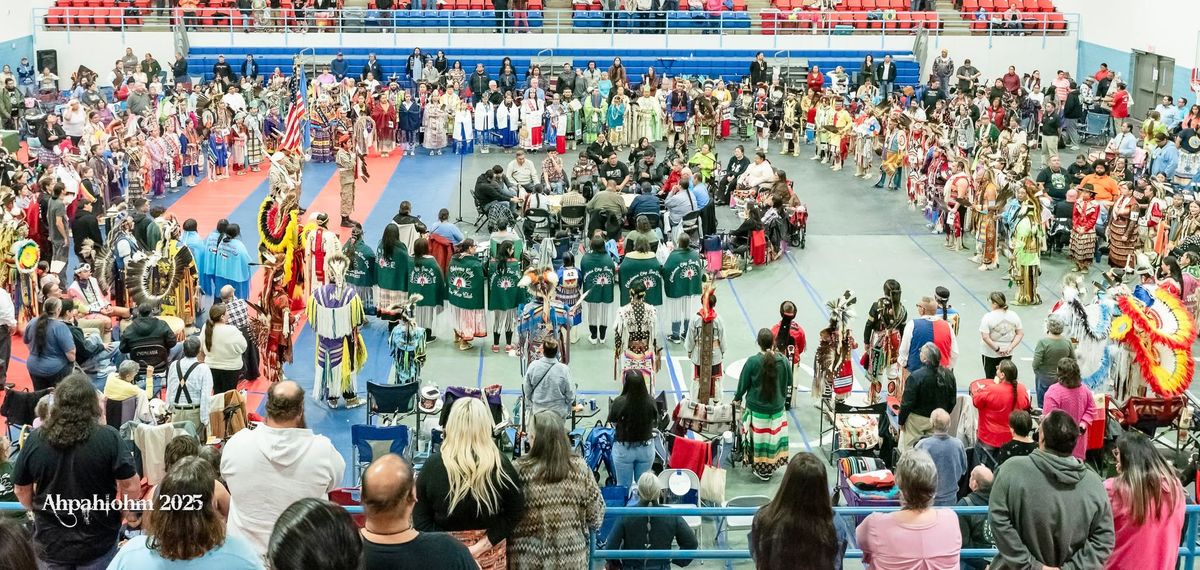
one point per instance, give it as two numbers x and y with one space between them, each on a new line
1049 511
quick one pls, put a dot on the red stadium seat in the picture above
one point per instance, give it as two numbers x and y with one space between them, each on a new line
899 5
851 5
768 22
54 16
986 5
978 27
1056 21
933 21
970 6
739 5
1000 5
1046 5
904 20
868 4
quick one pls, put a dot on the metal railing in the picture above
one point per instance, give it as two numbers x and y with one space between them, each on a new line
770 22
1188 550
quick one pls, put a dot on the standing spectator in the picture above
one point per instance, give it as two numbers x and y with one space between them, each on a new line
1050 130
222 72
56 218
548 384
949 457
276 464
563 505
223 347
929 388
72 457
798 524
763 382
1072 397
250 68
51 346
178 537
968 77
315 533
469 489
1072 113
633 416
654 533
390 542
885 73
943 68
995 400
1048 509
1001 332
917 536
1020 425
190 387
179 70
8 320
974 528
1147 504
760 72
1046 355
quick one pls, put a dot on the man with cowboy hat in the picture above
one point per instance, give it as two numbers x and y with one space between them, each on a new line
348 171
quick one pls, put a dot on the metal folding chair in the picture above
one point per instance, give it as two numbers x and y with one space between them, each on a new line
392 403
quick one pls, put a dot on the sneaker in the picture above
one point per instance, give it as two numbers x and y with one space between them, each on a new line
354 402
495 348
333 402
593 340
815 157
509 348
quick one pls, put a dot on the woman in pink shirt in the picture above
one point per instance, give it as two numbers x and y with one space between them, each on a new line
917 537
1072 397
1147 502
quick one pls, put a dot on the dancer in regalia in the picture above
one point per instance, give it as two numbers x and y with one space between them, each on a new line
465 285
425 279
706 348
881 333
361 273
393 265
275 314
543 317
599 282
504 295
636 343
683 275
335 314
319 243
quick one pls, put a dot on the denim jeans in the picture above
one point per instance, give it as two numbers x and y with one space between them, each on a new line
1043 384
632 459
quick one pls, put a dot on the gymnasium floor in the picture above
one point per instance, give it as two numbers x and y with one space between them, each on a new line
858 237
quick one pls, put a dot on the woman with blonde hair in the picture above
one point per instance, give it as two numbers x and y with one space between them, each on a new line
469 489
1147 503
563 502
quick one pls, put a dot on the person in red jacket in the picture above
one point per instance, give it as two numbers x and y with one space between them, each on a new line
995 399
789 338
815 80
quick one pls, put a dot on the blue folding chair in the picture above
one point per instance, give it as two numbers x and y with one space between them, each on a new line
393 402
375 441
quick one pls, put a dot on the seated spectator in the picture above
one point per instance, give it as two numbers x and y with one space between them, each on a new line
144 328
1020 423
798 523
97 311
315 533
93 355
390 542
122 385
653 533
562 500
973 528
447 229
275 465
949 456
917 536
609 200
73 457
1147 503
1049 509
645 203
643 230
679 203
521 173
739 238
181 537
468 488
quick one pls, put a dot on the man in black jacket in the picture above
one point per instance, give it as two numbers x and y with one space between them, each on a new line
478 83
1072 113
974 528
179 70
885 73
373 67
759 71
221 71
599 150
565 80
490 188
146 327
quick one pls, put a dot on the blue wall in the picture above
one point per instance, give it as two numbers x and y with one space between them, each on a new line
1092 55
11 51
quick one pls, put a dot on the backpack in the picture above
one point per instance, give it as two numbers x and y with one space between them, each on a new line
597 449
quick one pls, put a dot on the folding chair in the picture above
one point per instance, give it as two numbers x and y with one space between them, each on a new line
572 219
392 403
1097 128
537 224
690 225
374 441
117 412
671 499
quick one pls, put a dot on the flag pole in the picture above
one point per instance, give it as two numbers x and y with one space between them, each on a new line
302 85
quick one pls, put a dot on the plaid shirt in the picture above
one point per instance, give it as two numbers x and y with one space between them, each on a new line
237 313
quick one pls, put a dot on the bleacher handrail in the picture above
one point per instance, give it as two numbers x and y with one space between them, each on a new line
770 21
1188 549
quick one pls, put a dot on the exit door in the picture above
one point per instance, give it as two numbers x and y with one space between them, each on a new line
1153 77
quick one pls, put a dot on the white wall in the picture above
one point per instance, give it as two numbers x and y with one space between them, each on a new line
16 39
98 50
1165 27
993 55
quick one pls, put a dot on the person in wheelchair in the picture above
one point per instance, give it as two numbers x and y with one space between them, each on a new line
759 173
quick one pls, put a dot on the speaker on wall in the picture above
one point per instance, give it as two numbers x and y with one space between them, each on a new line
47 58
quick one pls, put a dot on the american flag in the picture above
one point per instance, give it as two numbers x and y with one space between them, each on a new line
293 126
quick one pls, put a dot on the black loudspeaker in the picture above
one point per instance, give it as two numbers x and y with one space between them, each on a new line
47 58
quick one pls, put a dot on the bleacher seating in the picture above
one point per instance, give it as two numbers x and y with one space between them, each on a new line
730 65
1036 15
